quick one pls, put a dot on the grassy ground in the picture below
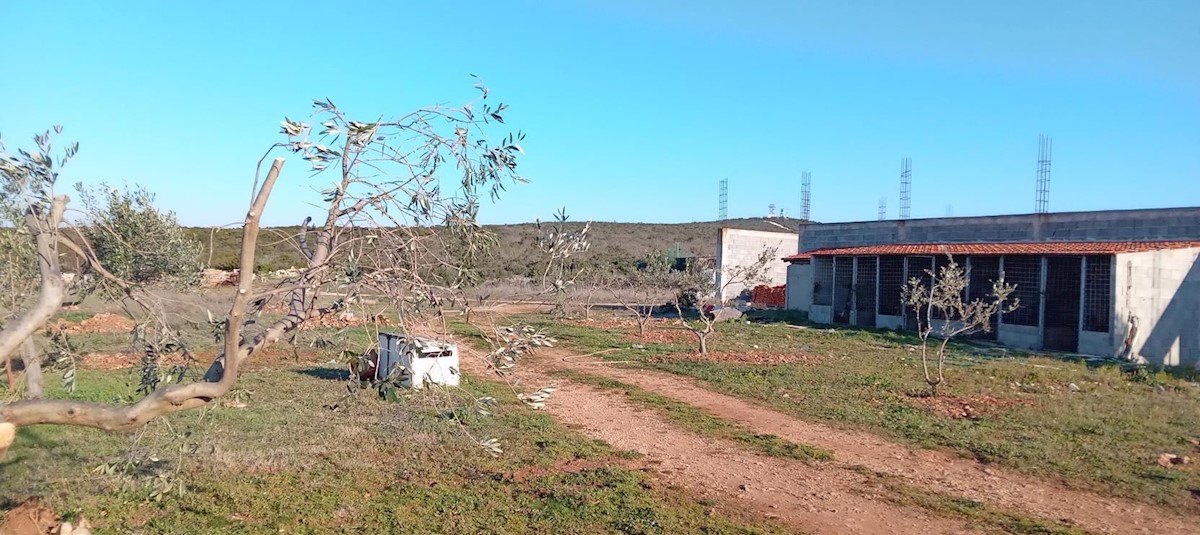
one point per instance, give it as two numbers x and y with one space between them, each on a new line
978 515
288 462
1105 436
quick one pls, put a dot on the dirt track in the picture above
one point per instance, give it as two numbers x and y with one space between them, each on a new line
932 470
826 498
790 492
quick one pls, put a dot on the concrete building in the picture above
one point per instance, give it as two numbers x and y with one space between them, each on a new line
1117 283
740 248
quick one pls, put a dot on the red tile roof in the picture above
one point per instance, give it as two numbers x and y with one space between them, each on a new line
797 257
1038 248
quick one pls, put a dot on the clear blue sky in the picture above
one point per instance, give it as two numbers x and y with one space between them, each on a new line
635 109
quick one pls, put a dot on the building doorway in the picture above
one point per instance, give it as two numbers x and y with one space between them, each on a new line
1063 278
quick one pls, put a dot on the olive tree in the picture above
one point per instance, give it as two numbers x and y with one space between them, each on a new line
638 290
694 284
121 231
133 239
590 283
559 244
18 279
398 219
943 312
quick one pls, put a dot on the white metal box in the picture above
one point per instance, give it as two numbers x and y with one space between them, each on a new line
427 361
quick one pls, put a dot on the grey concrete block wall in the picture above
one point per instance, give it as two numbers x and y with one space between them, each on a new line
737 248
1111 225
1161 289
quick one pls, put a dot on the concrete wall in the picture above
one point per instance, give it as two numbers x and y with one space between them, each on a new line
1112 225
1020 336
1161 289
1099 344
739 248
799 287
820 314
884 321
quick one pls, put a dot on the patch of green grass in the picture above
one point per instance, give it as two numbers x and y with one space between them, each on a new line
701 422
74 316
1106 436
895 490
615 345
286 462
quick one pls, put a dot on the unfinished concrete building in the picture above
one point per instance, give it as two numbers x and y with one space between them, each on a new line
740 248
1116 283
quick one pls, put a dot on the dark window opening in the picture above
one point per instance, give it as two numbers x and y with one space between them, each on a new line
1097 295
843 288
864 290
822 281
919 267
891 280
984 271
1025 272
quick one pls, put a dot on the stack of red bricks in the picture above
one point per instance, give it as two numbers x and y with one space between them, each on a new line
768 296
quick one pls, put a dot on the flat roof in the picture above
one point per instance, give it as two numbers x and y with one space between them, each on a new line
1002 248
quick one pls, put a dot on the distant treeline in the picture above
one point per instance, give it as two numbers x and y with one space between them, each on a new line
613 245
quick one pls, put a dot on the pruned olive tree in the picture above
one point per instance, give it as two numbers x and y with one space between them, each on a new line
943 311
638 290
120 230
397 220
27 181
559 245
591 283
698 309
18 277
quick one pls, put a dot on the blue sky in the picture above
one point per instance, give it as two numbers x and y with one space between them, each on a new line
636 109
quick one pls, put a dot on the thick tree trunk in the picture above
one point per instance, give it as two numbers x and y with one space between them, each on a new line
33 370
43 227
703 344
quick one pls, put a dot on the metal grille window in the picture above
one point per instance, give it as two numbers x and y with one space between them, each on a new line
891 279
864 291
822 281
940 263
1097 294
1026 273
984 271
843 288
919 267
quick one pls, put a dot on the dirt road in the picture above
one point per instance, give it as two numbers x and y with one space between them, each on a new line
928 469
808 498
825 498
